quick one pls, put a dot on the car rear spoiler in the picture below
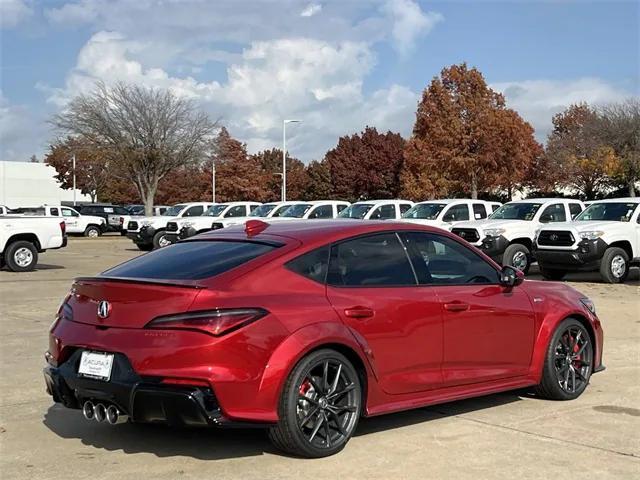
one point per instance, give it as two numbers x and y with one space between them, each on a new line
147 281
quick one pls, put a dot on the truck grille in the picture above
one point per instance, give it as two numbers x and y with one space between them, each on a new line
216 225
468 234
172 227
132 226
555 238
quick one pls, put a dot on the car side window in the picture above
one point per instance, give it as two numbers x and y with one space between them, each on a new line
404 207
237 211
322 211
55 212
479 211
440 260
341 207
384 212
121 211
67 212
252 208
371 261
194 211
456 213
494 207
313 265
553 213
574 209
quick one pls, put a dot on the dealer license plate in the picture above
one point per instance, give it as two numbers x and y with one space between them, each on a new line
96 365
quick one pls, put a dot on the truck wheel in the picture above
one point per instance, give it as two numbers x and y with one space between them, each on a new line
92 231
614 267
568 362
552 274
518 256
160 240
145 247
21 256
319 407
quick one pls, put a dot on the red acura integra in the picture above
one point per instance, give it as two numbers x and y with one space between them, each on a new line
305 327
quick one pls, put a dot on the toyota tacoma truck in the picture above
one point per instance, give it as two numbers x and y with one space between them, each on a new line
212 219
76 223
605 237
507 235
149 233
22 238
446 213
376 210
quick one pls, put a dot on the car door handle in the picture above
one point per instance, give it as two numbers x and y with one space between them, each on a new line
358 312
456 306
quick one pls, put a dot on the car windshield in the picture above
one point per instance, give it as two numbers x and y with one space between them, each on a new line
214 210
357 210
174 211
262 210
516 211
608 212
296 211
425 211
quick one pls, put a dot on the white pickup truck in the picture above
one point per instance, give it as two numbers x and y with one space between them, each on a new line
157 210
22 238
151 232
507 235
212 219
605 237
313 210
447 213
376 209
76 223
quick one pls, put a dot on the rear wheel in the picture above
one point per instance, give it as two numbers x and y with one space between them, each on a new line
21 256
518 256
568 363
552 273
614 267
320 406
161 240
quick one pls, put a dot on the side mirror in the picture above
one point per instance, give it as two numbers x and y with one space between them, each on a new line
511 276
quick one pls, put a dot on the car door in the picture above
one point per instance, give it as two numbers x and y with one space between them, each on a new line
372 287
70 220
554 213
488 330
194 211
458 212
321 211
480 211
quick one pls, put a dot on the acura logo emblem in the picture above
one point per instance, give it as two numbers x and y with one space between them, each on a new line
104 309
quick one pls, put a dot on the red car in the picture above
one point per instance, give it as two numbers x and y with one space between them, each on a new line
305 327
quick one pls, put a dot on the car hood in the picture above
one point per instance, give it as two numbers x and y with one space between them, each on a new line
586 226
485 224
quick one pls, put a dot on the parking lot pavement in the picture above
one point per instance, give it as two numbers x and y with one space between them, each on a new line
511 435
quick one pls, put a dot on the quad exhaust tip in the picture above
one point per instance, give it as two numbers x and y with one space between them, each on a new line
100 412
114 417
88 410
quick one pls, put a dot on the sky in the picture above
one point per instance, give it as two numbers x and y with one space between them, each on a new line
337 66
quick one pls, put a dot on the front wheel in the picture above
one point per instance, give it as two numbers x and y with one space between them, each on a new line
568 362
614 267
320 406
92 231
517 256
21 256
160 240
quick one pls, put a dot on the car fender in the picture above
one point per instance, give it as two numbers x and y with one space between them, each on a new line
296 346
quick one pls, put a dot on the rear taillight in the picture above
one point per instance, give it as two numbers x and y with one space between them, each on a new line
121 221
213 322
63 228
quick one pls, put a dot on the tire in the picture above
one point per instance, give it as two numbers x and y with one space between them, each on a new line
614 266
92 231
334 417
517 253
21 256
555 371
160 240
552 274
145 247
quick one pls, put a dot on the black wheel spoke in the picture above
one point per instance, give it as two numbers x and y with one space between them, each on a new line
314 384
325 377
316 427
338 424
307 399
327 432
337 395
334 385
311 414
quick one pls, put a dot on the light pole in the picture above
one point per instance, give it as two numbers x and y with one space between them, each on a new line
213 180
74 179
284 156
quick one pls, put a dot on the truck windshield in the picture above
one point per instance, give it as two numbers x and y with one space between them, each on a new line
262 210
425 211
214 210
357 210
296 211
174 211
608 212
516 211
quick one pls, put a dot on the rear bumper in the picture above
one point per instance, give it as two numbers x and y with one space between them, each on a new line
587 257
143 400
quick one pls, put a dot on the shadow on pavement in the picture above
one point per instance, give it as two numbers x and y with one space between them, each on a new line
215 444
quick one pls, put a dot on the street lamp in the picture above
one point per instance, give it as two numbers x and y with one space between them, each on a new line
284 156
213 180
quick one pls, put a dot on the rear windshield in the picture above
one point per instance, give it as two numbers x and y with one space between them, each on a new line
190 260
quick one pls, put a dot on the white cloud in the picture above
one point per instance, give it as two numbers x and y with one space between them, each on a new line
12 12
311 9
21 132
538 100
409 23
